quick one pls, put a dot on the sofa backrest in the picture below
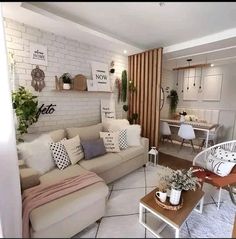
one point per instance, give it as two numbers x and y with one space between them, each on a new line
85 133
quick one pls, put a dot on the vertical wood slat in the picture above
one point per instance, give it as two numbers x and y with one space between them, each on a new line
145 72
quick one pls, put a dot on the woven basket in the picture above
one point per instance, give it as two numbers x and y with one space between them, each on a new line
80 82
168 205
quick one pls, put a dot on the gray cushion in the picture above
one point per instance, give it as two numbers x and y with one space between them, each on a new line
93 148
85 133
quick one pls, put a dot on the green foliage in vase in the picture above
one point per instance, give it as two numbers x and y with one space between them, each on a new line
26 108
174 99
124 85
183 179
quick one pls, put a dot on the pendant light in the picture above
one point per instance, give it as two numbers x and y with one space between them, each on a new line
200 83
188 60
195 73
182 83
177 82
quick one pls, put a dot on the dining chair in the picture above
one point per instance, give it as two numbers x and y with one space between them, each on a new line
186 132
165 131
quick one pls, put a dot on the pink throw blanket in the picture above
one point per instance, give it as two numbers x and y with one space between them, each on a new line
39 195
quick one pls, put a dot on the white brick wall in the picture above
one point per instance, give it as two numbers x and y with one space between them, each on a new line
64 55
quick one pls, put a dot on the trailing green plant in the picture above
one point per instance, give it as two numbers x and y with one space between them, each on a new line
124 85
174 99
26 108
125 108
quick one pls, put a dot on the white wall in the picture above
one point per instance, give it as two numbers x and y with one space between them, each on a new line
64 55
226 105
10 194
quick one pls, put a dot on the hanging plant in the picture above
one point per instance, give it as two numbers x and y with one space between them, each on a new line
26 109
118 86
124 85
174 99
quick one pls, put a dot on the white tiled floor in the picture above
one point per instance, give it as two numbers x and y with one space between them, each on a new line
121 218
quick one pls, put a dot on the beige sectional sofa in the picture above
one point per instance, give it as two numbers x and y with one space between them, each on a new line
66 216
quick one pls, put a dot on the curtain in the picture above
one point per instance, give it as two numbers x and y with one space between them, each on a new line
144 74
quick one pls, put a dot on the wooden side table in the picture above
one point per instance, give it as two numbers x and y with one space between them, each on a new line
173 218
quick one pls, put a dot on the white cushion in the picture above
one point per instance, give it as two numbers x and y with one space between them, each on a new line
111 141
37 154
113 125
219 167
74 149
134 135
225 155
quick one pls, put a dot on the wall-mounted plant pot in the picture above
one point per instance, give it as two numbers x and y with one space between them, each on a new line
66 86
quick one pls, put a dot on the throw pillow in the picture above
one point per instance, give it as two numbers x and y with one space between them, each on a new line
36 154
219 167
93 148
225 155
114 125
134 135
111 141
60 155
57 135
123 143
74 149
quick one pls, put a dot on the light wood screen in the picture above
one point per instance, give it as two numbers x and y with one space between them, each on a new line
144 71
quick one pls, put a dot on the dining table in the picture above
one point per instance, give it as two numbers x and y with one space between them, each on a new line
201 126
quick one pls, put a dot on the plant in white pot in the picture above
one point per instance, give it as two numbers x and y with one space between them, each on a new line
67 81
181 179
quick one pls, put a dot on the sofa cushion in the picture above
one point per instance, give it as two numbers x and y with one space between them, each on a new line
57 135
111 141
85 133
131 152
57 175
57 210
102 163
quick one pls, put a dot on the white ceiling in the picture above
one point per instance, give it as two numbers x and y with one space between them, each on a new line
204 31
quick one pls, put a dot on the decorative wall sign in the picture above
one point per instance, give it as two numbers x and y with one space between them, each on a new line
108 109
101 77
38 79
46 109
38 54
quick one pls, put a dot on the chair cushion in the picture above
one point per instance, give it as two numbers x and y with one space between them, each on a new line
102 163
225 155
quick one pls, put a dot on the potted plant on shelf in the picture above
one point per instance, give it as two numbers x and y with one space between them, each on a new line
181 179
25 105
67 81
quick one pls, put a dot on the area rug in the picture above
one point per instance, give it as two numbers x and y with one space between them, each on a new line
122 211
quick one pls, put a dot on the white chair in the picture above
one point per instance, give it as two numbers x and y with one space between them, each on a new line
214 136
186 132
165 131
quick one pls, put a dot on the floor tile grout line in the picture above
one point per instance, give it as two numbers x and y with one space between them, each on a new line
98 227
121 215
120 189
190 236
145 183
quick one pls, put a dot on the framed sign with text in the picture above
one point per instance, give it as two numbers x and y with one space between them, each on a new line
38 54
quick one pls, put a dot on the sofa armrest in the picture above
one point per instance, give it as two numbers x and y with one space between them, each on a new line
28 178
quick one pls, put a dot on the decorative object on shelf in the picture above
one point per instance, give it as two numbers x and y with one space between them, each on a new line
153 155
124 85
38 54
174 99
112 69
67 81
118 86
181 179
25 105
162 195
101 79
132 88
37 79
46 109
80 82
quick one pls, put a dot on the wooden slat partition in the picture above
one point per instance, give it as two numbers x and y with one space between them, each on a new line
145 72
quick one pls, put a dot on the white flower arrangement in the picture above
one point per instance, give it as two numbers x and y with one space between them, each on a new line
183 179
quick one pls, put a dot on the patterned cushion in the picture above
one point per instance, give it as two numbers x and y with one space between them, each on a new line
111 141
123 143
219 167
225 155
60 155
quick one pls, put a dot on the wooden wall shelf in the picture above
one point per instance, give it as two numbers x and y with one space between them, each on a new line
83 91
